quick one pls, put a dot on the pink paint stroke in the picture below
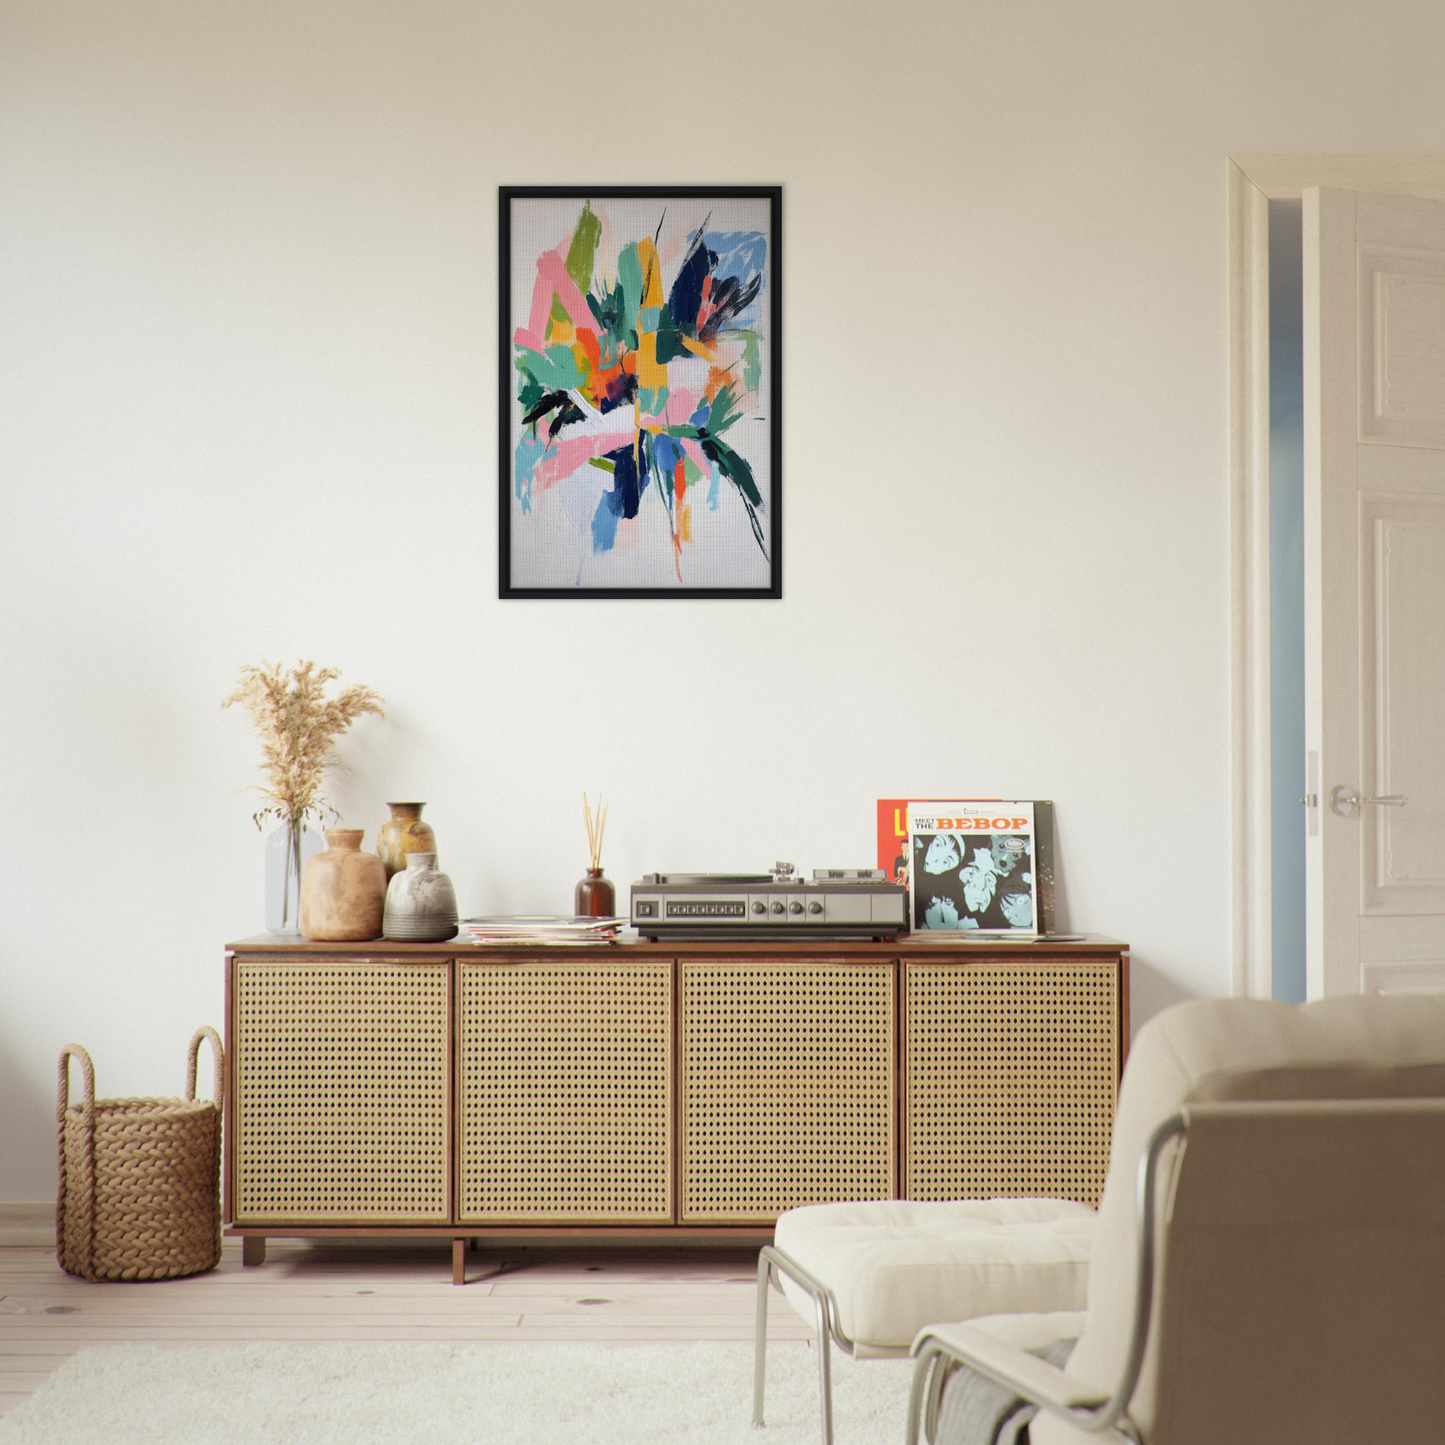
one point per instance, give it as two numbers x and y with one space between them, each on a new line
552 279
564 457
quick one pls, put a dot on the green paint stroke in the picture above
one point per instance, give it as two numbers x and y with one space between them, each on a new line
583 249
752 363
602 464
607 312
669 337
724 411
735 468
737 471
529 393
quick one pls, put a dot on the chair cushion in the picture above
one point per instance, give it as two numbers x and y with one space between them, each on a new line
896 1265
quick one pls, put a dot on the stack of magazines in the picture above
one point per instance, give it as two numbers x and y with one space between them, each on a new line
528 929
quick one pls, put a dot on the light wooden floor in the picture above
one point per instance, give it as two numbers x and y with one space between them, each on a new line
381 1292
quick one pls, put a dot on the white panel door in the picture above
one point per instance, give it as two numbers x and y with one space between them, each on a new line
1374 278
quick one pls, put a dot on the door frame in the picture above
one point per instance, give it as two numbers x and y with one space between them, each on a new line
1252 182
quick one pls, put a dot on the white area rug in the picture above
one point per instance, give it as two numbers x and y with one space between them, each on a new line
488 1394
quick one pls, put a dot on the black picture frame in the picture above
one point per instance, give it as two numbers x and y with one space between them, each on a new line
765 520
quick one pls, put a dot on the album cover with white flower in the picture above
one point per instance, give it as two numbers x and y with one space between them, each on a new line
981 864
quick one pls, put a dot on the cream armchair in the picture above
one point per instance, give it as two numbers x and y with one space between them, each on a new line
1269 1259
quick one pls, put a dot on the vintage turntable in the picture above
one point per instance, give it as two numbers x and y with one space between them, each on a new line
834 903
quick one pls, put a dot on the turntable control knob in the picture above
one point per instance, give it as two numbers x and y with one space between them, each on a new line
777 908
759 906
815 907
795 907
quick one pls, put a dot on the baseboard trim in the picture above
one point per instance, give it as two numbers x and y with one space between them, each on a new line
28 1223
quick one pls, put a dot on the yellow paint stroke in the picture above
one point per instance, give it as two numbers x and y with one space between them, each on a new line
651 273
650 373
702 349
684 524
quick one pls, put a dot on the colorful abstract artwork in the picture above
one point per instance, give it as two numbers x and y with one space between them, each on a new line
639 392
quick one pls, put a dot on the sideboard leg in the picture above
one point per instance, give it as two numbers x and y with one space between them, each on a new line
459 1261
253 1249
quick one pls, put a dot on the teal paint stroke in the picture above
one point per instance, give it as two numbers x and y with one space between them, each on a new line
629 286
555 371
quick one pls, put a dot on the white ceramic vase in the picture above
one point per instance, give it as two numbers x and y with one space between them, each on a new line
421 904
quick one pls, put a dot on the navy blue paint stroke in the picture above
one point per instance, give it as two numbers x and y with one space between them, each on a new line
730 298
624 497
685 298
619 393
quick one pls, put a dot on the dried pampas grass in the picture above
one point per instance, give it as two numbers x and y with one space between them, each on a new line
298 724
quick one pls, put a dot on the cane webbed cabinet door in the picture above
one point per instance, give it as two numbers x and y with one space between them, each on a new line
787 1078
565 1070
342 1071
1011 1072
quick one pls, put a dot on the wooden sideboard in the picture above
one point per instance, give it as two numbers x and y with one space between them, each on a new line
657 1091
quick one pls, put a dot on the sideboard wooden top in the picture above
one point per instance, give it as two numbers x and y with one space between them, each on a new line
914 946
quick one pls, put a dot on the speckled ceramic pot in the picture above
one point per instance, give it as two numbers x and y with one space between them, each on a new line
404 833
343 890
421 904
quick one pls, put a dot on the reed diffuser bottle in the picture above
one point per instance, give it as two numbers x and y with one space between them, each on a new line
595 896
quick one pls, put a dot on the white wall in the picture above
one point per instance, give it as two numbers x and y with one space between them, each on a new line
247 330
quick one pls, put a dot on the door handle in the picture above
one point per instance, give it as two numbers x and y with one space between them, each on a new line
1344 800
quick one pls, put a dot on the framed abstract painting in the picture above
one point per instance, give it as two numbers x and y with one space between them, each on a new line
640 388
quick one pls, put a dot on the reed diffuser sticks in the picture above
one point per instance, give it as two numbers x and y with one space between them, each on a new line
596 826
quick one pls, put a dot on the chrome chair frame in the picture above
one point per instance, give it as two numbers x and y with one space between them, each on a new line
937 1358
771 1264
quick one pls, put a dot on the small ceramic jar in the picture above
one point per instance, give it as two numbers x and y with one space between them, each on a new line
421 904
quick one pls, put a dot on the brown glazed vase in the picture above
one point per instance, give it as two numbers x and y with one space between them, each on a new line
343 890
404 833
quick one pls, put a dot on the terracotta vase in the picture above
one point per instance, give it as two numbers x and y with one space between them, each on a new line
421 904
343 890
595 897
404 833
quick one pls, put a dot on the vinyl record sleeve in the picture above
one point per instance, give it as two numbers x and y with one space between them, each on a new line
895 858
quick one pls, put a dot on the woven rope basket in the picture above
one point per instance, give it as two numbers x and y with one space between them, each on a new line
139 1178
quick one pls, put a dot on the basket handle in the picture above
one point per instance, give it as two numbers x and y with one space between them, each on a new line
87 1070
84 1186
218 1055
